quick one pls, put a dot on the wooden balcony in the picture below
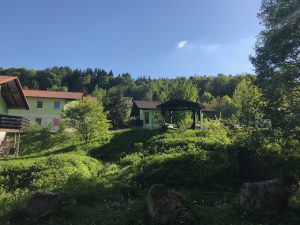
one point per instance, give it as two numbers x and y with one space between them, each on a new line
13 123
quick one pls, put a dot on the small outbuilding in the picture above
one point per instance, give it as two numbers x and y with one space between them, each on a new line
143 114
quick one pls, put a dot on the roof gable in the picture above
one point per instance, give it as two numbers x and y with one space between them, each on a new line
12 92
4 79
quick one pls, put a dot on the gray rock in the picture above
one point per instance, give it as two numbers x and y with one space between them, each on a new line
163 203
48 203
266 196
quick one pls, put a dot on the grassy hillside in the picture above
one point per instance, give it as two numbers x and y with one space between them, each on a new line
110 177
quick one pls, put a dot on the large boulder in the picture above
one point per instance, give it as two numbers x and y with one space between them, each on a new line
266 196
48 203
163 203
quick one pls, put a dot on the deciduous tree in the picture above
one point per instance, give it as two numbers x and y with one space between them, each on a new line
277 61
87 118
248 101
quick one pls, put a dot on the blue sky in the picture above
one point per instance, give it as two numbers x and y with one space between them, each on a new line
157 38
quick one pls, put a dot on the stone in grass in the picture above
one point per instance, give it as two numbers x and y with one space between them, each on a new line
43 204
264 197
163 203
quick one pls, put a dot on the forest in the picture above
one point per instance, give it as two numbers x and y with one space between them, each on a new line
89 80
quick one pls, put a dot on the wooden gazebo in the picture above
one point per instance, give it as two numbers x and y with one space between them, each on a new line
174 105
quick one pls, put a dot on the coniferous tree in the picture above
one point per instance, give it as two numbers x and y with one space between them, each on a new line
116 107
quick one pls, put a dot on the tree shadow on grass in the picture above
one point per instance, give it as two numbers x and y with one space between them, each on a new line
35 142
96 203
191 170
122 144
59 151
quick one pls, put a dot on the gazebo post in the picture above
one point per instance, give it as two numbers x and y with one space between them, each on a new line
194 120
18 146
200 116
171 117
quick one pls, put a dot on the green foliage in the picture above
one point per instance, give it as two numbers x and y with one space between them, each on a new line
33 127
207 97
20 178
47 79
263 154
88 118
116 106
122 143
180 88
57 88
64 78
207 166
248 101
42 142
277 61
224 106
99 93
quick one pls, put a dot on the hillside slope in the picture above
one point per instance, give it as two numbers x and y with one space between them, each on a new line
110 178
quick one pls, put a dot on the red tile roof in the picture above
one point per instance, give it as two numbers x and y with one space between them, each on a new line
5 79
53 94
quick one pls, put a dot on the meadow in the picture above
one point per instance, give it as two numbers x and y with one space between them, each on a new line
110 176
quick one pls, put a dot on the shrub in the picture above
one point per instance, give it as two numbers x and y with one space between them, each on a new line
33 127
87 118
46 173
192 168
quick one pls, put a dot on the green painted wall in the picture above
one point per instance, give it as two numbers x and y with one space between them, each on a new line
152 123
3 106
48 107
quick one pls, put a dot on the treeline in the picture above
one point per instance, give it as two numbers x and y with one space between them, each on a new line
146 88
217 92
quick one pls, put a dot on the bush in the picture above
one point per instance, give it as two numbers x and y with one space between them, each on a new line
195 168
33 127
21 177
259 154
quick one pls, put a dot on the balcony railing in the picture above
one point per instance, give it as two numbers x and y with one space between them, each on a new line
13 123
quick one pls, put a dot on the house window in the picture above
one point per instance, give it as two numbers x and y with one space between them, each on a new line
56 105
38 121
55 122
147 116
39 104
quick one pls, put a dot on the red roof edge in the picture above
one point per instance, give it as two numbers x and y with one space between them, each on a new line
18 83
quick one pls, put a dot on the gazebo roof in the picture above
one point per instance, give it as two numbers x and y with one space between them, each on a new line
180 104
